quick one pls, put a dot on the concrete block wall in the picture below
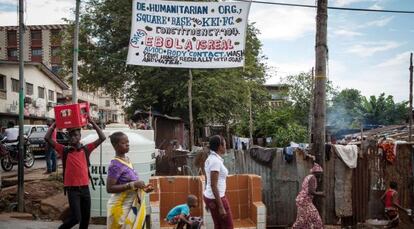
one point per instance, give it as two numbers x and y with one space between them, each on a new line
243 191
170 192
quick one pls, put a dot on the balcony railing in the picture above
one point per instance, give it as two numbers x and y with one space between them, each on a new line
36 43
37 58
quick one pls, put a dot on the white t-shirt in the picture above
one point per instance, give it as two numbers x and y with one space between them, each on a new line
12 134
215 163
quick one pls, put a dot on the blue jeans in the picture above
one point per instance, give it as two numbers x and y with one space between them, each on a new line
50 159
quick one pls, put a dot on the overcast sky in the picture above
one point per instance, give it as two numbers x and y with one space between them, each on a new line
367 51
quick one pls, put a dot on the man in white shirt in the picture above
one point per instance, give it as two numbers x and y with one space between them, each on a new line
11 132
216 175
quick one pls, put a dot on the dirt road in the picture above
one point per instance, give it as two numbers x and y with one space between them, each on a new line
22 220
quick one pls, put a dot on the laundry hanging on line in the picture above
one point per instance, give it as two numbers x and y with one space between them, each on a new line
348 154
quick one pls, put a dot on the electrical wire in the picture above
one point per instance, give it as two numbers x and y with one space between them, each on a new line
329 7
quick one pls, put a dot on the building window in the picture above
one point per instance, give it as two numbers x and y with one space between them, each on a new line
3 83
55 51
12 38
55 58
55 37
12 54
107 103
3 87
37 52
41 92
59 95
51 95
29 89
15 85
56 69
36 36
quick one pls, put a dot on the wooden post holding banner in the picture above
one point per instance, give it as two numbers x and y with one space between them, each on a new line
410 113
321 55
190 109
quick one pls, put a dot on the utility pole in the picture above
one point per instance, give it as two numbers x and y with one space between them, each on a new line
190 109
321 54
411 100
75 56
20 172
310 121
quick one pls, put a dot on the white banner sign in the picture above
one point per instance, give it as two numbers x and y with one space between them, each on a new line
188 34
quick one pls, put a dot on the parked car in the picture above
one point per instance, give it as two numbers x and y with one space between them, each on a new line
29 129
38 143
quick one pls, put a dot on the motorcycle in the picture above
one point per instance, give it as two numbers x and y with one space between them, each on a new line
9 154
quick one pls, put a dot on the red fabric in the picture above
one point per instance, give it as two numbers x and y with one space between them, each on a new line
388 198
54 135
76 171
219 222
388 149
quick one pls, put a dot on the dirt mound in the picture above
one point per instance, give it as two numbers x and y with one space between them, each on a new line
43 198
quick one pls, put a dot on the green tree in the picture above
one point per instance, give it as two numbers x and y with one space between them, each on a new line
301 94
219 95
383 110
344 111
282 125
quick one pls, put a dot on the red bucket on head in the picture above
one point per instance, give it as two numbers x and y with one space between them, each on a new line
72 115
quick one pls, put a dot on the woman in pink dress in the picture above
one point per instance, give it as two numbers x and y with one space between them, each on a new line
308 216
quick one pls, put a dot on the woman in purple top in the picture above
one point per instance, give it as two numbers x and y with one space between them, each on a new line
123 183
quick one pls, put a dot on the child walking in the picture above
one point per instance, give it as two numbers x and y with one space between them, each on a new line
392 205
75 159
180 214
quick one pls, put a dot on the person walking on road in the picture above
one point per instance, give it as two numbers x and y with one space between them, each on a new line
75 160
50 154
308 216
216 175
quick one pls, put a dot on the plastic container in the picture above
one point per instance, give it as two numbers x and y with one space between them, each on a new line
141 154
72 115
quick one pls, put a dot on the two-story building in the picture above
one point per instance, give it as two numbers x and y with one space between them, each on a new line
42 44
278 94
42 89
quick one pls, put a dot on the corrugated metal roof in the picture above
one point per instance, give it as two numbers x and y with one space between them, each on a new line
397 132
